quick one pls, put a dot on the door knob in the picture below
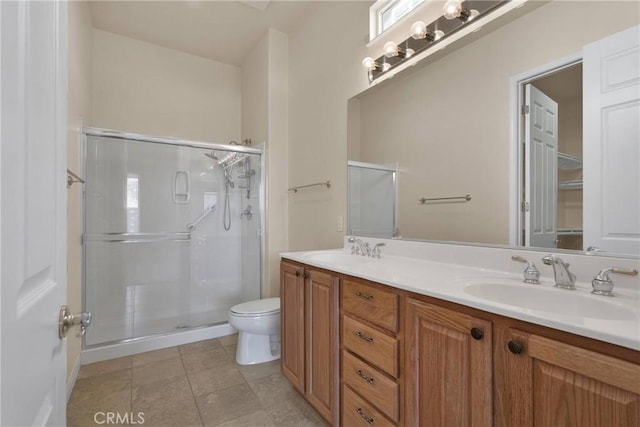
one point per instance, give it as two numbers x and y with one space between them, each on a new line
66 320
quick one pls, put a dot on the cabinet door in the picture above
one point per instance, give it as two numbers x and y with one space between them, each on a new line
292 323
542 382
322 345
448 370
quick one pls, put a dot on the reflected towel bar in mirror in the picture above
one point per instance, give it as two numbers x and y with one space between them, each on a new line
424 200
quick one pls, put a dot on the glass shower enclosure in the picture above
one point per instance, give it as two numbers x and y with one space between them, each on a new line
371 199
172 234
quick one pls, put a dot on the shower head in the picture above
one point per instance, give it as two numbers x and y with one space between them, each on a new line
231 159
212 155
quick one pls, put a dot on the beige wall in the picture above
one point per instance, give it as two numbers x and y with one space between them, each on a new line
448 124
79 112
325 71
277 235
144 88
255 93
264 119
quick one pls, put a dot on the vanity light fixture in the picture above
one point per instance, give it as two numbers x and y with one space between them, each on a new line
392 50
453 9
419 31
371 65
424 36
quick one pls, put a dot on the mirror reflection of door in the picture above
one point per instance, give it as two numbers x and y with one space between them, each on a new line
553 160
541 148
612 143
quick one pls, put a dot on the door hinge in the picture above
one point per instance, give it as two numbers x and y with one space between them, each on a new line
524 206
525 110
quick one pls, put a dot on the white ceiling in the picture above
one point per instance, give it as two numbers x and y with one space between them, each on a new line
224 31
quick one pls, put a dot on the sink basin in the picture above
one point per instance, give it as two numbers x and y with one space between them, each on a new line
552 300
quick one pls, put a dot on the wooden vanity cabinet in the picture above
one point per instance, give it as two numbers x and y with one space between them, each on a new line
543 382
292 331
448 367
310 354
370 354
412 360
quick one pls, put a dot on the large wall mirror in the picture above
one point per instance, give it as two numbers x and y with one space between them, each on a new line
455 130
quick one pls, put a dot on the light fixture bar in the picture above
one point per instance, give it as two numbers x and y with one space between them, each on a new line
424 36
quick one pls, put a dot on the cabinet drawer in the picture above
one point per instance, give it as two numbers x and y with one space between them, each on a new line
357 412
371 303
371 384
374 346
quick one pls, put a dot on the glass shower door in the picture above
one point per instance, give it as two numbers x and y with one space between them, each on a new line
146 271
371 199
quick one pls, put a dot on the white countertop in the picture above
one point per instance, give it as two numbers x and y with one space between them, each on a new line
614 320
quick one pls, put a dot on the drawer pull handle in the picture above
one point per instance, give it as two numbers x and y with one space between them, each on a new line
298 273
363 337
477 333
361 374
367 418
515 347
364 296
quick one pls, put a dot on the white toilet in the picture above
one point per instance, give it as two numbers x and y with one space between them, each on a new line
258 324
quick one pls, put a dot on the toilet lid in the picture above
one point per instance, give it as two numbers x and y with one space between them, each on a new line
260 306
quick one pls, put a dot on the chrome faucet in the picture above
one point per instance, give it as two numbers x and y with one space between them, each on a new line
564 278
602 283
531 273
375 252
359 247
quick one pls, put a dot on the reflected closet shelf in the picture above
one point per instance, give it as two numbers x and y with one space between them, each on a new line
570 185
569 231
569 162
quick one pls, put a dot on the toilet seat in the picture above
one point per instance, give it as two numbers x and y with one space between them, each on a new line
257 307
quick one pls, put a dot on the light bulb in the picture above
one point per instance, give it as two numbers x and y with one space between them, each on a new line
452 9
369 63
390 49
419 30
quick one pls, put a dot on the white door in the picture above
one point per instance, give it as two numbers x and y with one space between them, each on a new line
611 88
33 211
541 169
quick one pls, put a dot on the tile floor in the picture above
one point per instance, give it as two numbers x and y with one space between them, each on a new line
197 384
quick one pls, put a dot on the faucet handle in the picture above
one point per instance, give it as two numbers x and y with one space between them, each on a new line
354 245
602 283
375 252
531 272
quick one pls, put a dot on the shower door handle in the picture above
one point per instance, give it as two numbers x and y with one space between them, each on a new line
67 320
